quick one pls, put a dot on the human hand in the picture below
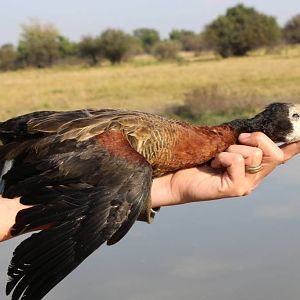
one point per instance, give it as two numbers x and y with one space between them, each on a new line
226 176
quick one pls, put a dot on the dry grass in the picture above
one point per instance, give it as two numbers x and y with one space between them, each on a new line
147 85
213 105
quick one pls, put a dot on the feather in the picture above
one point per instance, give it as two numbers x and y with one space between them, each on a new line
84 193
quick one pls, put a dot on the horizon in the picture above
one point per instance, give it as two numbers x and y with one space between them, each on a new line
74 19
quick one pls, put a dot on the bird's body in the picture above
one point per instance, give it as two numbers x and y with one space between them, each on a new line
88 174
168 145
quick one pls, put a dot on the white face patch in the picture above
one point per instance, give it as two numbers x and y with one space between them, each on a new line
7 166
294 116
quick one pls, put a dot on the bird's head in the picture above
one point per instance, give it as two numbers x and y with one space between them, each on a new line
294 118
279 121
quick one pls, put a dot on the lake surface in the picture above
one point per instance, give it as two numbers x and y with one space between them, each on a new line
236 249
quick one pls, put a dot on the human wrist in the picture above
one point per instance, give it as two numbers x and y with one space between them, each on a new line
162 192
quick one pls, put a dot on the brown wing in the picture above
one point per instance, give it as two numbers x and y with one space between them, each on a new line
132 123
89 191
139 128
17 128
41 123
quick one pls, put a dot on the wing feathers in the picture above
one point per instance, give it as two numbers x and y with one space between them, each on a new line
86 194
26 276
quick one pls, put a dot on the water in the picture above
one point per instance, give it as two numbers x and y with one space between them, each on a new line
235 249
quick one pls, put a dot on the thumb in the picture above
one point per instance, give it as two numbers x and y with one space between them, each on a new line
290 150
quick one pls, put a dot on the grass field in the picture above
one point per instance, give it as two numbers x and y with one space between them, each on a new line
148 85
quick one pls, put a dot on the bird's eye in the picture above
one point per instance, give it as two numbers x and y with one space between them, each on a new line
296 116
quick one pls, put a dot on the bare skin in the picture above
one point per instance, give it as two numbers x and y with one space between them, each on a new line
226 177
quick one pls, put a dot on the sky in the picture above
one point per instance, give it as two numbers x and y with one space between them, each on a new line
76 18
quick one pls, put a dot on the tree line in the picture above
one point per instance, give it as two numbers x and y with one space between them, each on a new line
240 30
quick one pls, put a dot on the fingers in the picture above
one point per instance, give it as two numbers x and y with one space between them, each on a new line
256 149
272 154
252 155
267 146
233 162
234 180
290 150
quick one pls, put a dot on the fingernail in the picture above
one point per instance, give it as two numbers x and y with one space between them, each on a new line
245 135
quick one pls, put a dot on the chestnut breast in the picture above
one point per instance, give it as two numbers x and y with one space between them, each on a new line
174 145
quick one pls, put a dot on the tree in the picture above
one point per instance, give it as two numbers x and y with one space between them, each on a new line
135 47
91 48
178 34
189 40
241 29
66 47
291 30
8 57
165 50
116 45
149 37
39 44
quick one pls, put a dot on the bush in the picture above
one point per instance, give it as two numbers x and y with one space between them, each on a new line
189 40
291 30
39 44
148 37
194 43
213 99
135 48
212 105
179 34
116 45
8 57
66 47
166 50
241 29
90 48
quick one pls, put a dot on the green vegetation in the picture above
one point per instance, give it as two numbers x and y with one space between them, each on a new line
66 47
213 104
90 48
8 57
189 40
116 45
160 87
39 44
148 37
291 30
180 76
241 30
166 50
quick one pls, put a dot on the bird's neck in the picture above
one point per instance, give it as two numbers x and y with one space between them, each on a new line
247 125
275 128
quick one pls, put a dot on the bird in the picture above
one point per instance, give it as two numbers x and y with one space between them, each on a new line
87 176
